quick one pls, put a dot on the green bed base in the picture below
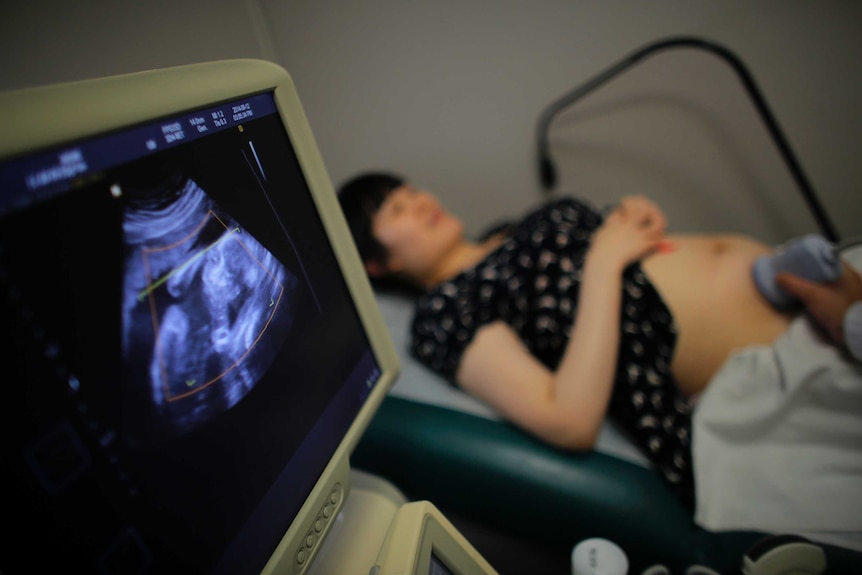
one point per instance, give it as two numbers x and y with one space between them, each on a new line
493 473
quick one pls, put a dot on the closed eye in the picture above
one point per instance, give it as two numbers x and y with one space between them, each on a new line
393 206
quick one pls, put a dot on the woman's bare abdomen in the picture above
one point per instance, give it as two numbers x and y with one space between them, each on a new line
706 282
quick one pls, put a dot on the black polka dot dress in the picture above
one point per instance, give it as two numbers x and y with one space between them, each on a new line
532 283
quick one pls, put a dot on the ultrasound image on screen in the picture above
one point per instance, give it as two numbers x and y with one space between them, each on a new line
200 295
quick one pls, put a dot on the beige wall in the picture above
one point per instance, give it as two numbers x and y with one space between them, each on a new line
448 92
54 41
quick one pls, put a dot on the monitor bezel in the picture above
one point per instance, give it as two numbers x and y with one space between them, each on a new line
48 116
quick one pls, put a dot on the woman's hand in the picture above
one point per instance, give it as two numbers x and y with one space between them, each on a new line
634 229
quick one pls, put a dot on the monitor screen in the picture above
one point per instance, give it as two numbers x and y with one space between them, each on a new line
191 348
438 567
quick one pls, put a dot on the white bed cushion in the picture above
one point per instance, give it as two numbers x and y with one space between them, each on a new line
418 383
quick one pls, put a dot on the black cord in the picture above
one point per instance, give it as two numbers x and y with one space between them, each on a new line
547 170
845 245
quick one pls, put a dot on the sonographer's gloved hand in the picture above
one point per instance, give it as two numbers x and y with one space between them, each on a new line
835 306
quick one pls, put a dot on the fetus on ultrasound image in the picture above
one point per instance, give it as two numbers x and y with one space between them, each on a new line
205 307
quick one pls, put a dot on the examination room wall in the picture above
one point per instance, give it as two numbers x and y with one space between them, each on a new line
449 92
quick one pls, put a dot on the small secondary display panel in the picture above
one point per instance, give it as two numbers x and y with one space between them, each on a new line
421 541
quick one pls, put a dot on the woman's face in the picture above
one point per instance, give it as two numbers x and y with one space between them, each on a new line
416 231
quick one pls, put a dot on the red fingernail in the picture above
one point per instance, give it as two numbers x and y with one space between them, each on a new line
666 247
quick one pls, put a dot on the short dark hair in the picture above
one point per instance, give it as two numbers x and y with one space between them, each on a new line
360 198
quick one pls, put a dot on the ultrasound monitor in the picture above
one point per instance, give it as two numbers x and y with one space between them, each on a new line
191 348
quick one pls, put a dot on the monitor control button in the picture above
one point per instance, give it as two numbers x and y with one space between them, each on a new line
312 538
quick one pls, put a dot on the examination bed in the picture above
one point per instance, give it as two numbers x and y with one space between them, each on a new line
434 442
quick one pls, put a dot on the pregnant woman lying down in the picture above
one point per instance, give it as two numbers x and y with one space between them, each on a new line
568 315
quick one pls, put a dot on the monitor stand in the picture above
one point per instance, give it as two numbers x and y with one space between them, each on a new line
380 532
